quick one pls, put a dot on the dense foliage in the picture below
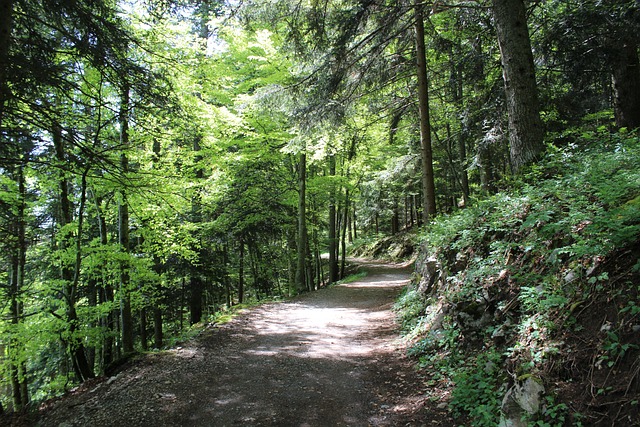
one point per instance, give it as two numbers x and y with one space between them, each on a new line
164 161
542 278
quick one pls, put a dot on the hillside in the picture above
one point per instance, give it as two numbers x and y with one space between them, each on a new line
526 305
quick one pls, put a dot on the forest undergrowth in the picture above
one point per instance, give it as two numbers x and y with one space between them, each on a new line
525 308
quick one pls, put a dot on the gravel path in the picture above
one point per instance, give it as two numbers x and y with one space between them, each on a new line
327 358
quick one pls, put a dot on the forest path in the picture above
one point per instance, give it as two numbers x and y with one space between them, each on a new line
326 358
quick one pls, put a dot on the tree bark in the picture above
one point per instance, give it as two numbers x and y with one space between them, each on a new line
157 267
196 283
241 273
343 238
6 29
428 180
333 241
157 328
70 273
195 301
301 268
17 368
626 86
123 230
525 126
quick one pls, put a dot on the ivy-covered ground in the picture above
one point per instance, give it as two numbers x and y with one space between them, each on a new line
537 290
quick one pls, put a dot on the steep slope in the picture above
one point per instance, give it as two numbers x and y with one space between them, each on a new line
527 304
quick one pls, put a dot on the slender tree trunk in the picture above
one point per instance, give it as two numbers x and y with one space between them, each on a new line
626 86
22 260
377 220
144 340
6 29
126 316
355 222
105 295
70 273
457 91
196 286
333 241
525 126
301 268
343 239
241 273
428 179
196 282
83 366
17 367
395 218
225 275
317 259
158 334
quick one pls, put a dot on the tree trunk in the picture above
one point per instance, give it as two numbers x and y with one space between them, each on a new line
196 283
17 368
301 268
157 328
225 275
355 222
428 180
241 273
195 301
395 217
70 273
457 92
126 317
144 341
626 86
343 239
333 241
157 267
105 295
525 126
6 28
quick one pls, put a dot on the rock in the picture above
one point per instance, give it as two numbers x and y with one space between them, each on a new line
520 400
430 271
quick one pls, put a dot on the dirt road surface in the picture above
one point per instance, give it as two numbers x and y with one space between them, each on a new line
327 358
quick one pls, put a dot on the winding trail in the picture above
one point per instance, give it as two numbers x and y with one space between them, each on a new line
327 358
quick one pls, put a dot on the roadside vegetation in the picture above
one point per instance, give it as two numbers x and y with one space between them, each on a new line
533 293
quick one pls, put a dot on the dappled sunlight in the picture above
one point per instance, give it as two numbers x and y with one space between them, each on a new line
327 328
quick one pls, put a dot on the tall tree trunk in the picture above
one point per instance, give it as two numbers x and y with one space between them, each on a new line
241 273
355 222
84 367
525 126
457 92
17 367
626 86
428 179
196 286
70 273
225 275
126 317
301 279
343 239
196 282
333 241
157 267
157 328
395 217
144 341
6 29
105 295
